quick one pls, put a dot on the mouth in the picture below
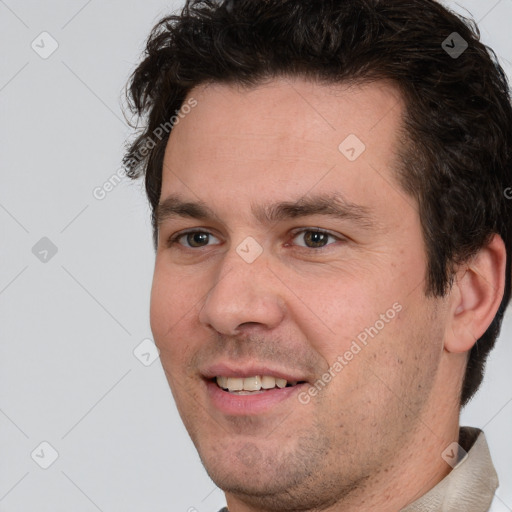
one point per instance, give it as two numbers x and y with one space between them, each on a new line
257 384
247 388
250 391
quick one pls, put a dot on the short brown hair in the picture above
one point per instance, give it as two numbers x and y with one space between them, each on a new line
458 123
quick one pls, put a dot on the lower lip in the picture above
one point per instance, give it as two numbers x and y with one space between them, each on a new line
243 405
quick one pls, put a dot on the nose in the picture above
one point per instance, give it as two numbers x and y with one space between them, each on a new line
244 294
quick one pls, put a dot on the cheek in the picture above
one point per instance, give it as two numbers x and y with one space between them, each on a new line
171 305
349 305
171 292
361 323
169 311
162 313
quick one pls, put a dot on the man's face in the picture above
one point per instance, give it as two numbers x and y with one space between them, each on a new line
247 296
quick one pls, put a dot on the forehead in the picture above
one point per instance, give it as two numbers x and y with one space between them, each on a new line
295 110
284 138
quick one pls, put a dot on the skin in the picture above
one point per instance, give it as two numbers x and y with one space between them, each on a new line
372 439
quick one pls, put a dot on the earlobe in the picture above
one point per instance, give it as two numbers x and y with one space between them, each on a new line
476 296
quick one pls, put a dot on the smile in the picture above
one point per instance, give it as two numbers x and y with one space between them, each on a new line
250 396
249 385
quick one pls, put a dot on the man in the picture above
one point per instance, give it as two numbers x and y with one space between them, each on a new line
327 181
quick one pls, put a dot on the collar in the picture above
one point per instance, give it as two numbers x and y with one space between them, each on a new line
470 485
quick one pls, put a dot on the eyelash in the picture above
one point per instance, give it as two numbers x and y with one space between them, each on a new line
174 239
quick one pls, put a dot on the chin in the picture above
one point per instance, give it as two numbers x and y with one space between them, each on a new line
244 465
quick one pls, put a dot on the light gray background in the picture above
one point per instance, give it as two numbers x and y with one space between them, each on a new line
69 326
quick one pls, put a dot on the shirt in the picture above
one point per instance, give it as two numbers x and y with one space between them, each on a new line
470 485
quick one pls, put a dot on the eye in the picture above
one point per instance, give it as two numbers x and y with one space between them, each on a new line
314 238
193 239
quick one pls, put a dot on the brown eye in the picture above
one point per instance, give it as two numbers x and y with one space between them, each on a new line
197 239
194 239
314 239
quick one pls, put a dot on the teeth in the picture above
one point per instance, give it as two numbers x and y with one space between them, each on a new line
281 383
252 383
255 383
268 382
222 382
235 384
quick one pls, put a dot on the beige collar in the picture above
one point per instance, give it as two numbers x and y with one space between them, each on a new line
470 485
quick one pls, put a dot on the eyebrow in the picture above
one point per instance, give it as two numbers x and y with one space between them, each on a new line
329 205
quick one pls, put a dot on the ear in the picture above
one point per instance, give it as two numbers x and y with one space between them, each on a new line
475 297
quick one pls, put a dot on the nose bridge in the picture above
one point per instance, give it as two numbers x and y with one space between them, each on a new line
245 292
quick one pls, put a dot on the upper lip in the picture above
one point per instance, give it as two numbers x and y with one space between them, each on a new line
231 369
